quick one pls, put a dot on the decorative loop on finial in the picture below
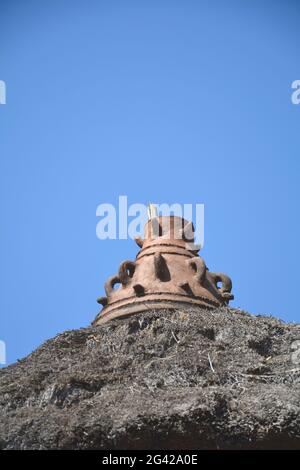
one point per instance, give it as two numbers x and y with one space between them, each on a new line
184 285
139 289
126 271
225 289
102 301
199 266
161 269
139 241
110 284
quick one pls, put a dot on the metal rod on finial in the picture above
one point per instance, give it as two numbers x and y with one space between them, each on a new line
152 211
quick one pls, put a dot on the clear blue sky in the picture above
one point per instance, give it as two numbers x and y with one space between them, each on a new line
163 101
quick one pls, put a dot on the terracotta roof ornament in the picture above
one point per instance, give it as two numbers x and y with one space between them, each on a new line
167 273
